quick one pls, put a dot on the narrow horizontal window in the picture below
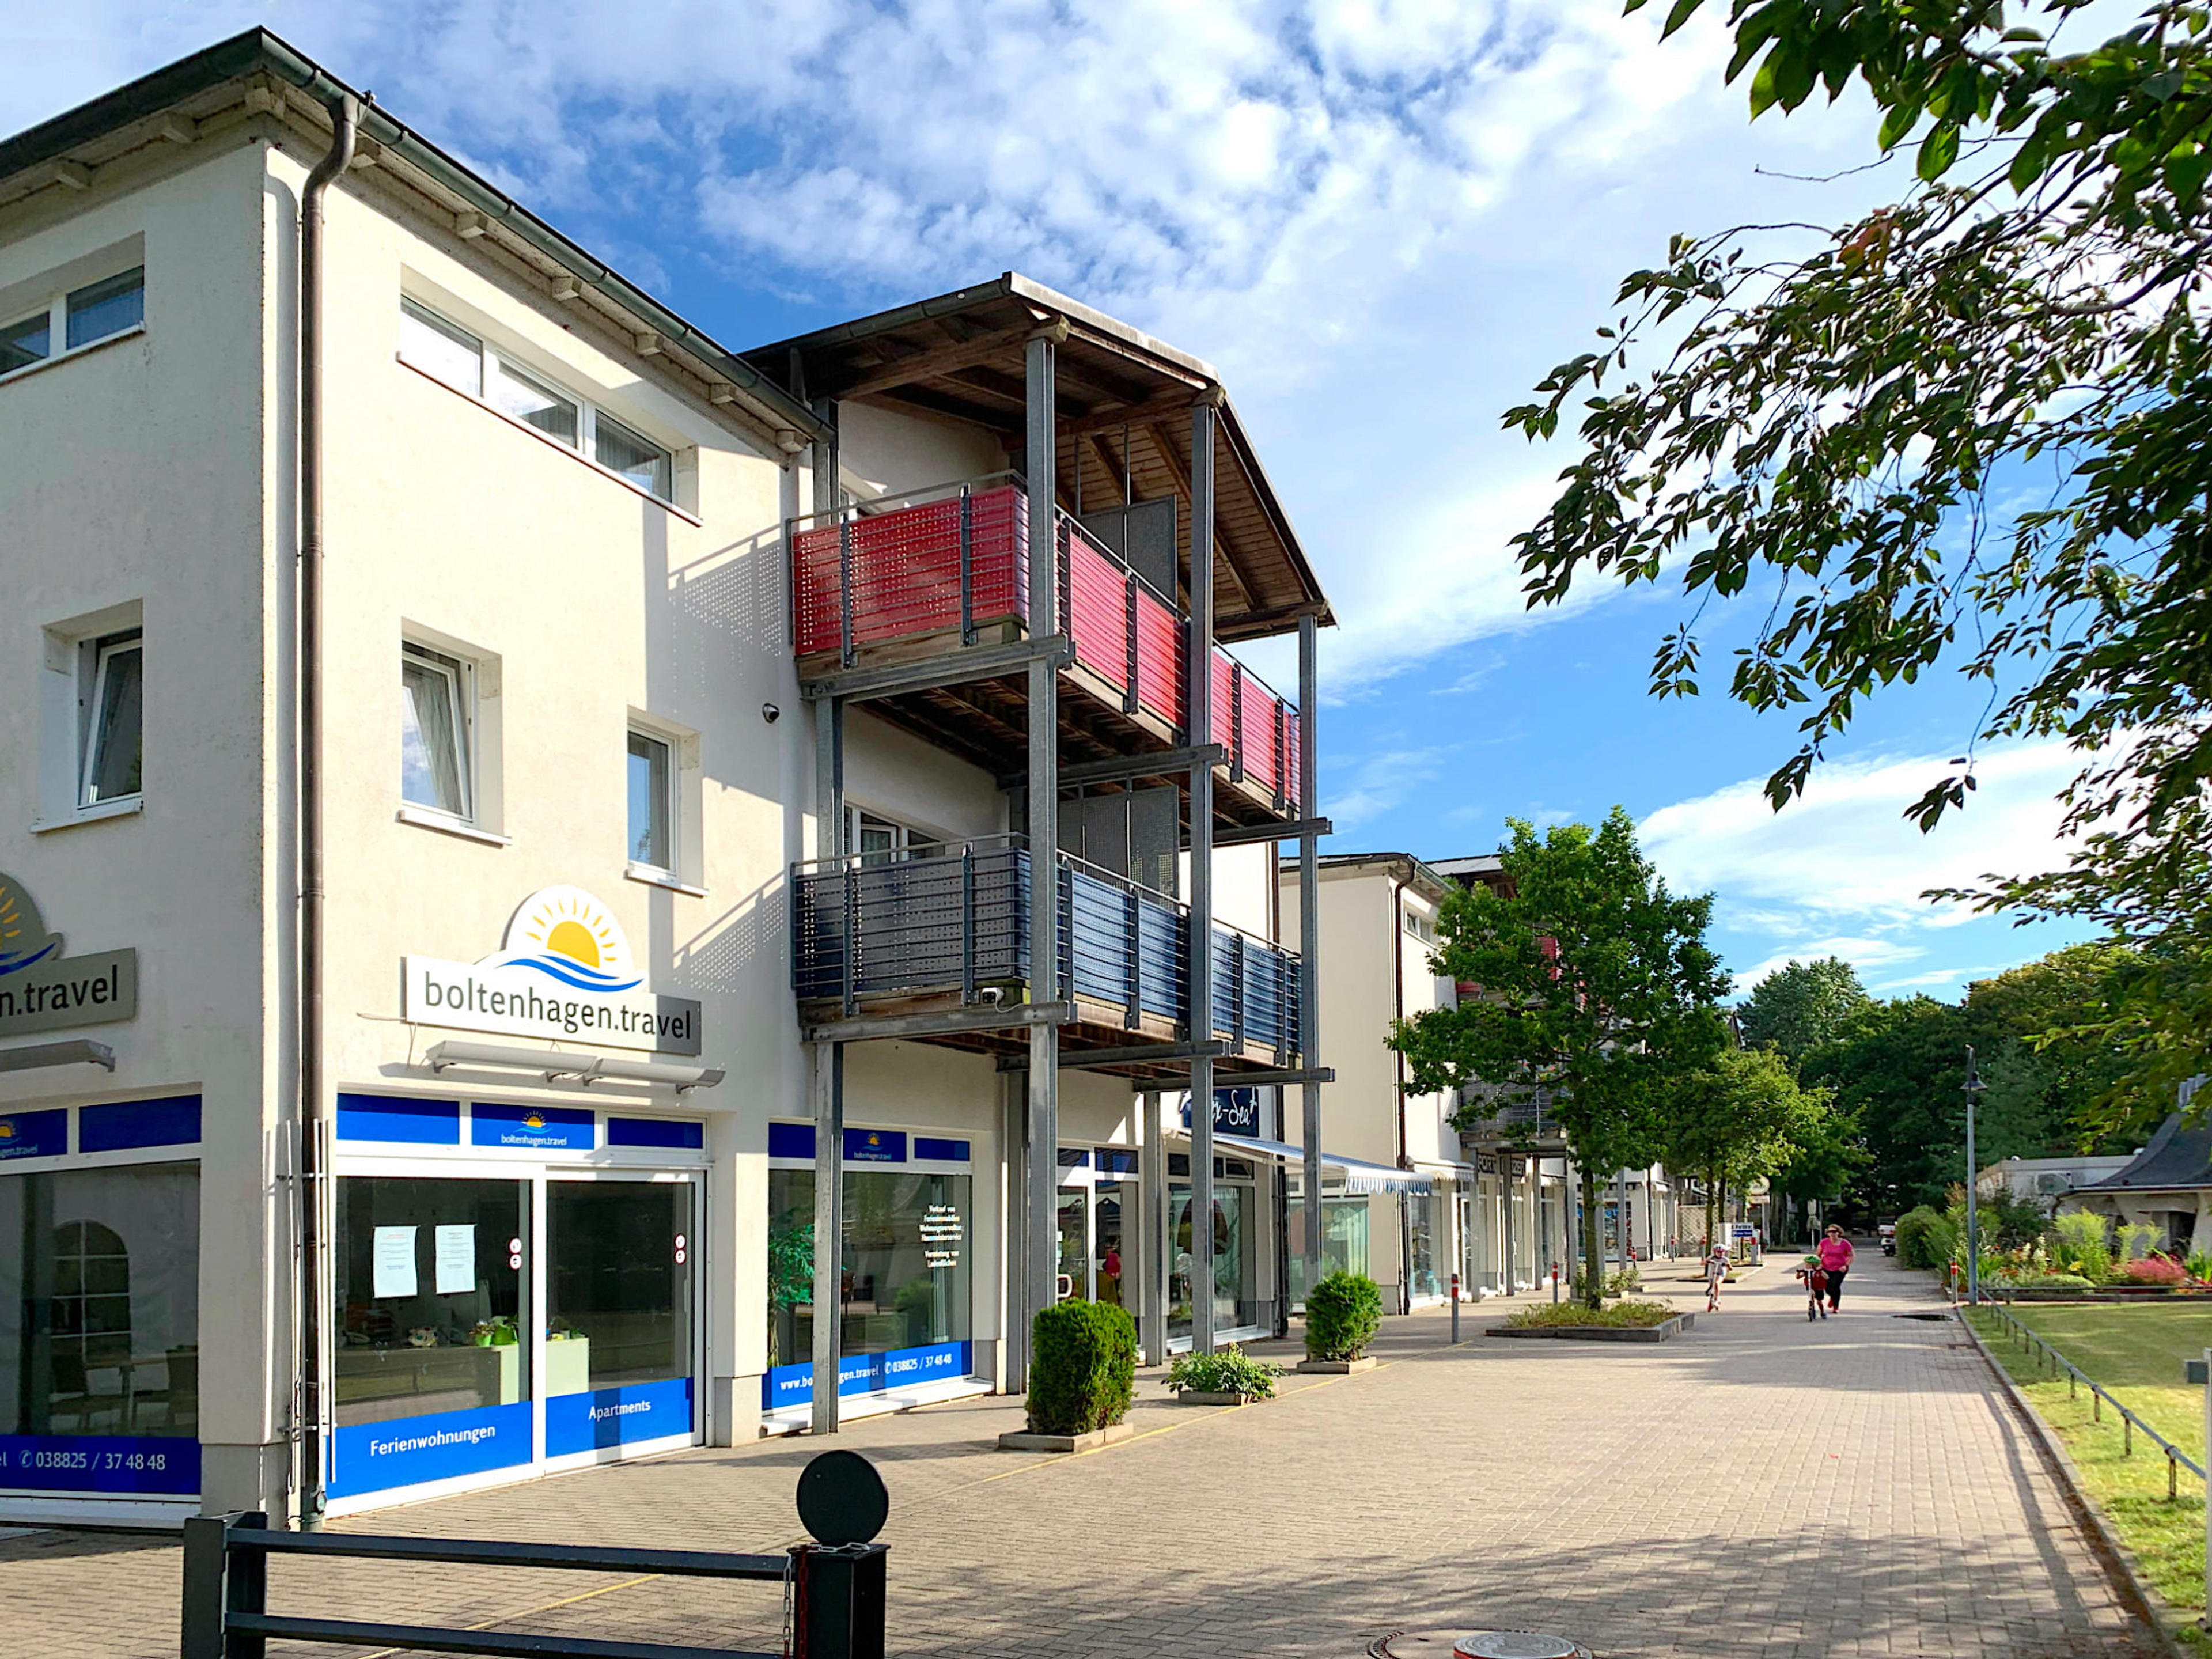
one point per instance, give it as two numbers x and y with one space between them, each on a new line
440 350
115 748
532 402
107 307
28 342
644 463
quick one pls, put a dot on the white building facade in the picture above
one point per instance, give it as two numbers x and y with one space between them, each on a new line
553 1199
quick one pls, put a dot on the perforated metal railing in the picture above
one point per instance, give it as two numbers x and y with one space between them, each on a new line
2050 1359
954 917
951 562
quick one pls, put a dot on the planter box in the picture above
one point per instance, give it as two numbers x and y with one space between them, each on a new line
1337 1367
1202 1397
1665 1330
1066 1442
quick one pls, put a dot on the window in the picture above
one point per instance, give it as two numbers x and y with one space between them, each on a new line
1419 926
885 841
81 316
448 352
433 731
114 744
106 308
651 780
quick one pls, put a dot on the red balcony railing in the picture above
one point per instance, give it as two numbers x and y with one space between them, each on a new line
956 566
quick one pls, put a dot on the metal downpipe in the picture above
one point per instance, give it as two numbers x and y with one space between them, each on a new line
345 115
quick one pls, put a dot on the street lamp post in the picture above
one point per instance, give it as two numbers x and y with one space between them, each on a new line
1973 1086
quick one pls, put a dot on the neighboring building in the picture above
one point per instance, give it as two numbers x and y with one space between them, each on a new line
1395 1191
2047 1181
681 731
2167 1185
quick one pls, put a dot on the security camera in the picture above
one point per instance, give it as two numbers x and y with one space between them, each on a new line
771 712
991 996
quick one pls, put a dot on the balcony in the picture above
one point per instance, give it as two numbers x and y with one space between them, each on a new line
891 585
952 930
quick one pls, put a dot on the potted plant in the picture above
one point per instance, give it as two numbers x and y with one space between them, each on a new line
1343 1313
1083 1377
1228 1377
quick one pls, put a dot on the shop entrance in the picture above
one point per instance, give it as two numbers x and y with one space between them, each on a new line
619 1328
1097 1237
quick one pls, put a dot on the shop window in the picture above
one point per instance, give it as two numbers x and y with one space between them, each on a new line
1421 1244
1236 1304
432 1296
1343 1243
907 1273
100 1302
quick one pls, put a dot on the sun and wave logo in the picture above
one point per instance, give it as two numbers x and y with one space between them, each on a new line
566 934
23 936
533 1120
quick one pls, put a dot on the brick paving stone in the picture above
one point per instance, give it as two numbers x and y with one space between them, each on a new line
1762 1488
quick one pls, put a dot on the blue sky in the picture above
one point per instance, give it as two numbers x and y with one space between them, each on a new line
1382 219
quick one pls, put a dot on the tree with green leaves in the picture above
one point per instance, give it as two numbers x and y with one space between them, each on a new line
1972 426
1799 1006
1739 1120
1899 1068
1597 992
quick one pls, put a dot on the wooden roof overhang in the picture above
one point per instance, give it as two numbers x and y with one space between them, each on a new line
1124 405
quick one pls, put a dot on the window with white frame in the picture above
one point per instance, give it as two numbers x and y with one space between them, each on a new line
651 801
435 712
880 839
1419 926
448 352
72 320
114 746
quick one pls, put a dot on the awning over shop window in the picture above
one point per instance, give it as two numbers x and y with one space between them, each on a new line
1357 1174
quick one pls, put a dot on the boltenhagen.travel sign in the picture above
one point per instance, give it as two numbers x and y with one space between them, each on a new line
563 972
43 990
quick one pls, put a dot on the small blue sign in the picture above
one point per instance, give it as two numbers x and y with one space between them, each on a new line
875 1146
409 1450
675 1134
139 1464
399 1118
615 1416
869 1373
35 1134
793 1140
941 1152
172 1122
502 1123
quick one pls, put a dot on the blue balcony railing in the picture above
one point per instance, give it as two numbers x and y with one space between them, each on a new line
955 919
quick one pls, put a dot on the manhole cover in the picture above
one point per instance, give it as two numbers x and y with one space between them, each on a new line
1518 1644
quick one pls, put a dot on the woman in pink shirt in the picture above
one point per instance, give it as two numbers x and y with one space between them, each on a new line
1835 1261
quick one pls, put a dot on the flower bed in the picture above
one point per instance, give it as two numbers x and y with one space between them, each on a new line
1634 1316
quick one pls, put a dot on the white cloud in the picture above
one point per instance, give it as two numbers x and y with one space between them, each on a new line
1383 219
1378 781
1842 857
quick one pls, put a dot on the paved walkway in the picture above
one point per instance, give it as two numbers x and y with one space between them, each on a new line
1762 1486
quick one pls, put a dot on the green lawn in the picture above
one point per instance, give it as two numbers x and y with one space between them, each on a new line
2136 1352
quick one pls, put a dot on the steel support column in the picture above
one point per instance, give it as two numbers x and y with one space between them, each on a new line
1309 933
1040 459
1200 678
1506 1163
1014 1138
829 1229
1152 1232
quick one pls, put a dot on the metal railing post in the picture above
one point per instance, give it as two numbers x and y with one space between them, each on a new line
967 923
839 1601
222 1579
967 568
851 918
1129 696
845 591
1133 925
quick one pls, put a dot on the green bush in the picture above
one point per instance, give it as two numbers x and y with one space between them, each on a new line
1925 1238
2083 1245
1082 1367
1228 1371
1343 1313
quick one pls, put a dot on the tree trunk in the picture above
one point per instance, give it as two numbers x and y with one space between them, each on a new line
1593 1249
1712 1202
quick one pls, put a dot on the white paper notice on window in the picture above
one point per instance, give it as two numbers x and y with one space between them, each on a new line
393 1263
457 1259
